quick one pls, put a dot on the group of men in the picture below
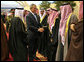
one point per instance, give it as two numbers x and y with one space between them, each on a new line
48 32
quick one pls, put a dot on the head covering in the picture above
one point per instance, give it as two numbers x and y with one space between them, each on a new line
49 10
42 9
41 16
26 12
51 18
81 10
19 13
66 10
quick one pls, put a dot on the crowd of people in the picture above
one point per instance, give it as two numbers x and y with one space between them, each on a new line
57 35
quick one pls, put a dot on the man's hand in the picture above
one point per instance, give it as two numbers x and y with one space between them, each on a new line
72 27
41 29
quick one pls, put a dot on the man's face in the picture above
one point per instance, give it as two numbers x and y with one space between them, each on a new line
26 12
42 12
34 9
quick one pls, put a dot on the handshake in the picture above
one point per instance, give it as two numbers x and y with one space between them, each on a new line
41 29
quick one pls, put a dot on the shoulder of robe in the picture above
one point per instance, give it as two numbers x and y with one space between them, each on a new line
74 16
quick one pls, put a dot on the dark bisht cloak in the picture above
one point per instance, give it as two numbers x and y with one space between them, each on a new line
44 21
75 52
54 44
4 45
17 37
44 38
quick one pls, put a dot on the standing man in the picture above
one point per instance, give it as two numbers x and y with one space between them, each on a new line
34 29
45 38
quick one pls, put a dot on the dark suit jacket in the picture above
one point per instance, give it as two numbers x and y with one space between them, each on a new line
33 25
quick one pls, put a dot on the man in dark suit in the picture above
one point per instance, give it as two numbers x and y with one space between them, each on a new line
34 29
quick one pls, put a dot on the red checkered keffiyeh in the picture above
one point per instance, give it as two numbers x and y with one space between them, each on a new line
81 10
51 18
66 10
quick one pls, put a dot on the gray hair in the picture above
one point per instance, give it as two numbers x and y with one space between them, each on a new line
31 6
